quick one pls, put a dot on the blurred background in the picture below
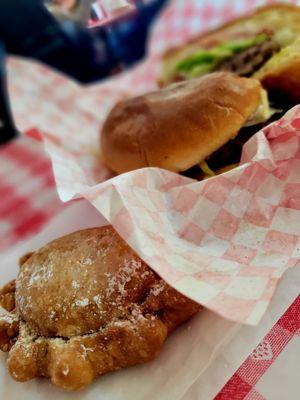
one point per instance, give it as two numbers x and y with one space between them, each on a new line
86 40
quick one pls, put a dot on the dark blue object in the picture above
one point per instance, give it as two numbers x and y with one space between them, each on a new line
7 126
28 29
128 36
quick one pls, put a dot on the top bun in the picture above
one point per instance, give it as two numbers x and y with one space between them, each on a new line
179 126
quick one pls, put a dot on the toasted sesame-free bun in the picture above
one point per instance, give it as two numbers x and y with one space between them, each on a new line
280 73
179 126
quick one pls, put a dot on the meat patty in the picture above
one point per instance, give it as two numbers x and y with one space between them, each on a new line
230 153
250 60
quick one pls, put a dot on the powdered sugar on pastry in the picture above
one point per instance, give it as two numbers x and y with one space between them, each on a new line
86 305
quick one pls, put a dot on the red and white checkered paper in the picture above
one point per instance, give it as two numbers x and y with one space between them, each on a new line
224 242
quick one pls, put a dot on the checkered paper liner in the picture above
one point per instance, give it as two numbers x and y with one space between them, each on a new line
224 242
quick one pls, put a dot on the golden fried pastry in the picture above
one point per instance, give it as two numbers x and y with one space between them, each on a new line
85 305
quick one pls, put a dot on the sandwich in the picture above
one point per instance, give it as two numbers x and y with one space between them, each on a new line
195 127
85 305
264 45
217 91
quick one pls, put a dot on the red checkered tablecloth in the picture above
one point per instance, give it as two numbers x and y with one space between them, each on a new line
28 197
248 381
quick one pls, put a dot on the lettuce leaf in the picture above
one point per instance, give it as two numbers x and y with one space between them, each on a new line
204 61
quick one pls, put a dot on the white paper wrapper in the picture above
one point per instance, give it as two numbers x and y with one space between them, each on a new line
184 357
224 242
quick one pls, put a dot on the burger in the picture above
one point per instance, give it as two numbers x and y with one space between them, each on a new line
195 127
216 92
264 45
